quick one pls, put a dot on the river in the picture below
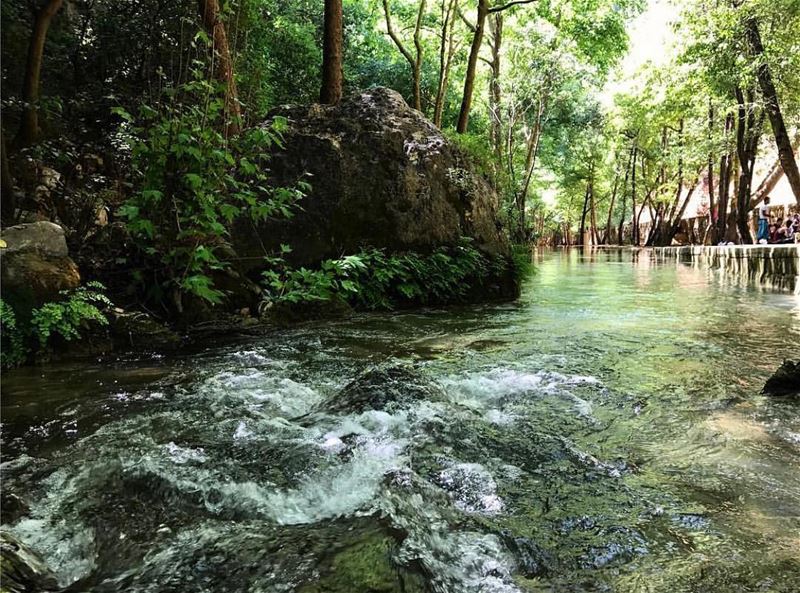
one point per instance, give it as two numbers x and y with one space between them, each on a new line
603 433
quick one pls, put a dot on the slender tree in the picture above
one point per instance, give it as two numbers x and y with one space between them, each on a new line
331 91
447 47
29 130
223 62
773 109
484 10
495 42
748 133
7 201
415 60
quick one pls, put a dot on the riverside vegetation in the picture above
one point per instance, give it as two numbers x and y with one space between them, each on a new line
152 133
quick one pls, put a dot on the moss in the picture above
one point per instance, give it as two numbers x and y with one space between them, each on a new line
366 566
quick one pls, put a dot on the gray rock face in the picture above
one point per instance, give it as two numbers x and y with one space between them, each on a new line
382 175
36 264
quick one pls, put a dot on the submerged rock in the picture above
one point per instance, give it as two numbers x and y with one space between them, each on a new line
384 387
382 175
785 381
138 331
532 560
22 568
36 265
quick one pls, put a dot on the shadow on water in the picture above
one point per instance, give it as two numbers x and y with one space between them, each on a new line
604 433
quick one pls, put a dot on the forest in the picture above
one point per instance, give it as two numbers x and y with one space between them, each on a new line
147 130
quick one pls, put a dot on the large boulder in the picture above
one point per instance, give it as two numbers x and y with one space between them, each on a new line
381 175
36 264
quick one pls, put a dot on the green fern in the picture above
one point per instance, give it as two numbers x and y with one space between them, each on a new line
68 316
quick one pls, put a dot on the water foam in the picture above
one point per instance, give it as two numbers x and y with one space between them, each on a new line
471 487
496 387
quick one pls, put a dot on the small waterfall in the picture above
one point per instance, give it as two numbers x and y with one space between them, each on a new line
772 266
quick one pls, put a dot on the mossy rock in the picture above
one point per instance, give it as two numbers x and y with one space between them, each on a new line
366 566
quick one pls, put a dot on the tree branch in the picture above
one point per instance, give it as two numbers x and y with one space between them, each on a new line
406 54
469 25
510 4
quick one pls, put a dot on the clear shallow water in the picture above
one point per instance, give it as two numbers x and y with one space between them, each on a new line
602 434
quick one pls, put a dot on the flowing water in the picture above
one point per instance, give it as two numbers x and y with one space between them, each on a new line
603 433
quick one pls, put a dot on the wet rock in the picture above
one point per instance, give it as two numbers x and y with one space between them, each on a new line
532 559
785 381
625 545
366 565
285 313
12 507
385 387
23 570
139 331
36 265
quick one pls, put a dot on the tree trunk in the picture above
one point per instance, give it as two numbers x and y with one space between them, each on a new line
446 50
748 131
607 231
631 162
711 205
331 91
530 162
634 217
772 107
495 134
223 66
472 66
417 66
769 182
414 61
725 164
593 213
675 223
582 234
29 131
8 205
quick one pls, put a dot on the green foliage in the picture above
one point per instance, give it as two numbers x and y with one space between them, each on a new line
193 181
333 279
374 279
13 350
64 318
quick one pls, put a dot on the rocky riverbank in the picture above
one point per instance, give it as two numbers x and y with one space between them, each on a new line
379 179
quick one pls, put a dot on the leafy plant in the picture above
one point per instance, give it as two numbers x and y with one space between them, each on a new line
66 317
194 181
333 279
13 349
373 279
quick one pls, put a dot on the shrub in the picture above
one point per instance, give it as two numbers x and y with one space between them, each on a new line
13 349
373 279
192 182
64 318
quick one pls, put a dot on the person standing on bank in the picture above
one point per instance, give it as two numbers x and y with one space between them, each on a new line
763 221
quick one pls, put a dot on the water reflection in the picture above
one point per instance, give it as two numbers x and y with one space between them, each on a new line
603 433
